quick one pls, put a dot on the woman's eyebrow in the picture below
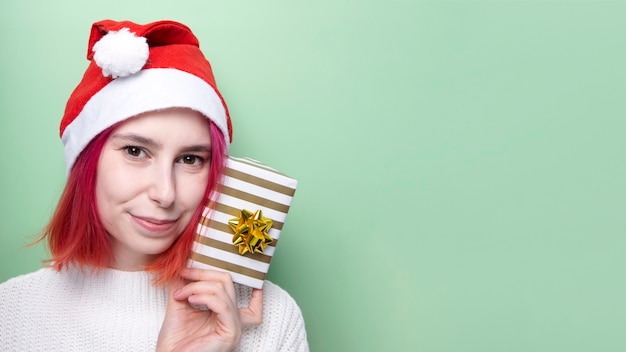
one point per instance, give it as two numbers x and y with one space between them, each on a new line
199 148
134 138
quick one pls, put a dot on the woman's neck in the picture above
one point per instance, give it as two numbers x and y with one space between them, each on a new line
128 260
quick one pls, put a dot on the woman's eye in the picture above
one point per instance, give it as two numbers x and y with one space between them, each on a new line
192 160
133 151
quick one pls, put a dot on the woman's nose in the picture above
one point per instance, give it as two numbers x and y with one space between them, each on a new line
163 190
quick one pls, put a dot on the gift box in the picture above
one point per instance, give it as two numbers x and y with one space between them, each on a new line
241 226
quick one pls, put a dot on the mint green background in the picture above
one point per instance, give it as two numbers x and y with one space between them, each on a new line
461 164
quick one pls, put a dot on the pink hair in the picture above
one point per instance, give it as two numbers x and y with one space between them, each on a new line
75 233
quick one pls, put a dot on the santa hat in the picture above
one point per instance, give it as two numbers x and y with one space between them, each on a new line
138 68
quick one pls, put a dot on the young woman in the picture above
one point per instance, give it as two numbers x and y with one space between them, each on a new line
145 134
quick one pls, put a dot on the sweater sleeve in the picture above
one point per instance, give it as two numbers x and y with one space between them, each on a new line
294 337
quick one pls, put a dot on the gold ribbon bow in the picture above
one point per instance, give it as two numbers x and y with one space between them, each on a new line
251 231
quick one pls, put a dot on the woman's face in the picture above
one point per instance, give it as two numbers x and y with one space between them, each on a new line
151 178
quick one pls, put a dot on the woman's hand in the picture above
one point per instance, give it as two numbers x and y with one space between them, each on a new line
217 329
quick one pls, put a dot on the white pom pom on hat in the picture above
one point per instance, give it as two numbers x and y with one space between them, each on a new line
120 53
138 68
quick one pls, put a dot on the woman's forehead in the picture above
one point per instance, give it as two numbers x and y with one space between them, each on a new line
170 124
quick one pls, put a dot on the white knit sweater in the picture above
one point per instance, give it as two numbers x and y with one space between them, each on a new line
120 311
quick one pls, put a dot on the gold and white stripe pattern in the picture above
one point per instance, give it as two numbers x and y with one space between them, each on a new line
247 185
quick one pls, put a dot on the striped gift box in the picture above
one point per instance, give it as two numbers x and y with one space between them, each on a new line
247 185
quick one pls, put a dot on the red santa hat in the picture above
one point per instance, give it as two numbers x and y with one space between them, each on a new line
138 68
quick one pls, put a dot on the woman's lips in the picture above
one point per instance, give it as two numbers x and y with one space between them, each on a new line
154 225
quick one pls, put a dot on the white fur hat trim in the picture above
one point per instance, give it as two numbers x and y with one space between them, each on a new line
148 90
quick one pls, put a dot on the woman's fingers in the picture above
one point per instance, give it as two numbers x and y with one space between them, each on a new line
202 275
172 302
222 322
253 314
203 292
212 288
223 309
